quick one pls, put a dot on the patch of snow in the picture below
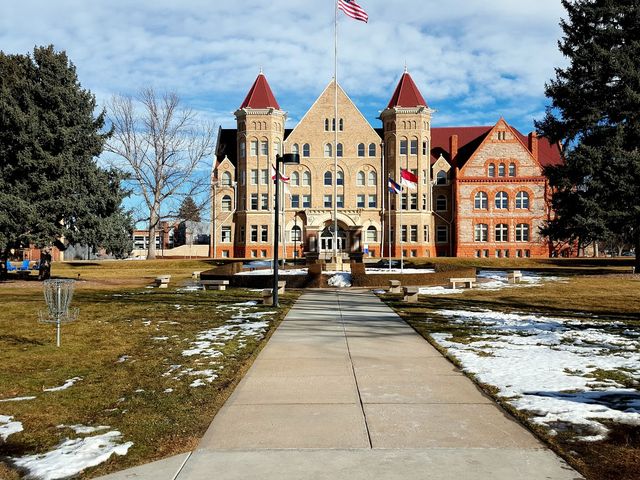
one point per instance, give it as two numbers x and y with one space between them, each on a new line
547 366
438 290
66 385
17 399
377 271
197 383
269 271
8 427
123 358
73 456
497 279
378 292
83 429
340 280
160 338
190 288
140 390
168 390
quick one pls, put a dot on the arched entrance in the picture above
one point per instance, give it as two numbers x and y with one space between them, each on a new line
326 239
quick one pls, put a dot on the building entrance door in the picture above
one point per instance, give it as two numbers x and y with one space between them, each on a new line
326 240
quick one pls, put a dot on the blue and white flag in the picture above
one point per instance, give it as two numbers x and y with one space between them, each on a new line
393 186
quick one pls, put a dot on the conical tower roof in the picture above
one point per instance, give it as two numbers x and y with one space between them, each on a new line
406 94
260 95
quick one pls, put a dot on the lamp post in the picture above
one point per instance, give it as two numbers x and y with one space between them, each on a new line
286 159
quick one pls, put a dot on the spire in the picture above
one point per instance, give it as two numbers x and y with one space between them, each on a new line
260 95
406 93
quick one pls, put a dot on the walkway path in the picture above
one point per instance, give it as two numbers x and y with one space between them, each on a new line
347 390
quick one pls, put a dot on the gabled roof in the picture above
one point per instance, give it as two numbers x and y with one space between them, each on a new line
406 94
260 95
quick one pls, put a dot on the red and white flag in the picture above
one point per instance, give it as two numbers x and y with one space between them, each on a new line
273 175
353 10
409 179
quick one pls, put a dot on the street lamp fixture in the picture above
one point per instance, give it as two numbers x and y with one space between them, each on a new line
286 159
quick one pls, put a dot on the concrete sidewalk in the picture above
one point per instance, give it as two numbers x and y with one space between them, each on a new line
346 390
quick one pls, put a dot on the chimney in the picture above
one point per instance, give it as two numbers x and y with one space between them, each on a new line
453 147
533 144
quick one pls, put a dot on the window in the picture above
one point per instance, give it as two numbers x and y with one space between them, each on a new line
340 201
326 124
254 147
361 149
481 232
225 234
522 232
295 201
441 203
340 178
295 149
264 201
502 200
492 170
226 178
296 233
413 234
306 201
501 171
277 150
373 201
372 149
522 200
480 201
414 147
373 178
424 177
264 233
442 234
371 235
360 200
341 124
502 232
243 149
424 201
441 178
295 179
403 147
413 204
306 150
333 124
339 149
226 203
263 253
264 176
403 233
254 233
306 178
242 234
264 147
328 150
360 179
328 179
425 233
512 169
253 177
327 201
403 200
424 148
254 201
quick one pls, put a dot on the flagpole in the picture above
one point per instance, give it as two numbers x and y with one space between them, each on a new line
389 221
382 185
335 137
401 240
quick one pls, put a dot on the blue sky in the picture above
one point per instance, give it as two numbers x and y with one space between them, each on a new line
473 60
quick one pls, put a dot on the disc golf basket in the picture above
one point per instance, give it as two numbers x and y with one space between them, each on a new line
58 294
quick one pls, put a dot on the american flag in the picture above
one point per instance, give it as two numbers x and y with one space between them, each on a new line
353 10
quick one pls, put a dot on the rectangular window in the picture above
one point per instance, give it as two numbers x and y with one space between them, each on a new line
414 201
403 197
295 201
340 200
264 233
424 201
485 253
442 234
242 234
403 147
414 253
327 201
243 149
225 254
425 233
414 147
254 233
254 147
253 176
225 236
264 176
424 148
404 233
373 201
306 201
424 177
254 201
360 201
264 148
264 201
263 253
414 233
254 253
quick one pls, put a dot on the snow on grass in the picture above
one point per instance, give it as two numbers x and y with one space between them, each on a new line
281 271
378 271
17 399
552 367
438 290
339 279
497 279
73 456
84 429
67 384
8 427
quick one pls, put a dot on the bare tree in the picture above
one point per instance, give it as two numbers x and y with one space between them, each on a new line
162 145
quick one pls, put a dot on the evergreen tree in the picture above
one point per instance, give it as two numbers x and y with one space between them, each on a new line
595 114
189 210
51 187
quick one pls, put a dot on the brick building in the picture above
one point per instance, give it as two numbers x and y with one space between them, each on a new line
481 191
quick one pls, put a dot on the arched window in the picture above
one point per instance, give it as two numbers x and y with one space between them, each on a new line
326 124
522 200
512 169
501 171
295 148
372 149
276 147
522 232
306 178
328 151
226 178
295 179
226 203
502 232
264 147
339 149
361 149
360 179
480 201
502 200
340 178
306 150
481 232
441 178
373 178
441 203
243 149
296 234
492 170
371 234
341 124
328 178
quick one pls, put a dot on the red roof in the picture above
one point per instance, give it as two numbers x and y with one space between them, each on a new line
260 95
406 94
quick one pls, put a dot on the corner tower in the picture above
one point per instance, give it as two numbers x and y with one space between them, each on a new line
406 125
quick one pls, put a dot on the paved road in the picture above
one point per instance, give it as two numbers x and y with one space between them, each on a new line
347 390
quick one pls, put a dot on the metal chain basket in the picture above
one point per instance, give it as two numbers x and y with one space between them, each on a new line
58 295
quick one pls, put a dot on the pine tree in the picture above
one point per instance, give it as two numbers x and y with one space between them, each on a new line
595 114
51 187
189 210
